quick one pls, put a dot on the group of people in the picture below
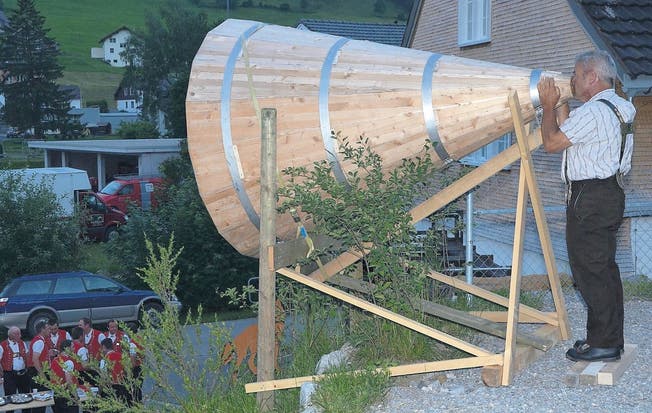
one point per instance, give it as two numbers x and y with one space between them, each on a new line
74 359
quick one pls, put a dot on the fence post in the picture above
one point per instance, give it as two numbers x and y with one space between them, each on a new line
469 242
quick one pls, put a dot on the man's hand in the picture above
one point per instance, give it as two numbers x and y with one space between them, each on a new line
554 140
549 93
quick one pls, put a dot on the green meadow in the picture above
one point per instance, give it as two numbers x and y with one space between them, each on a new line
78 26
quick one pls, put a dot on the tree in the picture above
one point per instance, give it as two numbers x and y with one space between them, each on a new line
208 262
34 101
160 58
33 235
138 130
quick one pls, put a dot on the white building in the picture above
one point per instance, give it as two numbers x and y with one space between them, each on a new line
113 45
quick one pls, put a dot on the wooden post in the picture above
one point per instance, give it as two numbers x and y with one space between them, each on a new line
267 283
517 251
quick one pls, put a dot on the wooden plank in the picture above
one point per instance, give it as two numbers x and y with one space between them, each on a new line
523 356
517 250
584 373
610 374
472 179
501 316
267 289
451 314
444 365
389 315
495 298
289 252
338 264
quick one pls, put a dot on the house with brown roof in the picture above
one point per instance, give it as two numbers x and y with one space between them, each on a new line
548 35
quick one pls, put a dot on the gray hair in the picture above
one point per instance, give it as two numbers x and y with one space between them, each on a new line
600 62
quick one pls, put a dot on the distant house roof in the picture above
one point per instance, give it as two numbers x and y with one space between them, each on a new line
114 32
391 34
73 91
624 29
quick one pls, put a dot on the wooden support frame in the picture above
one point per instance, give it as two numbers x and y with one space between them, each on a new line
512 359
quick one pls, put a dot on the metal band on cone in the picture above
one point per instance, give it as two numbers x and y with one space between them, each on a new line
535 76
324 119
227 141
428 111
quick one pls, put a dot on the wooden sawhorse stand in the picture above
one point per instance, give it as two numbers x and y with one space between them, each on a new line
499 368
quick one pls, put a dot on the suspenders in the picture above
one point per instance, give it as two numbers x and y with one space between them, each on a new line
625 129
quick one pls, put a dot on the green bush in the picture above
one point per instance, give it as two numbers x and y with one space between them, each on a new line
138 130
349 212
34 234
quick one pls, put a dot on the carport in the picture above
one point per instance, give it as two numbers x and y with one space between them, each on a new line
105 159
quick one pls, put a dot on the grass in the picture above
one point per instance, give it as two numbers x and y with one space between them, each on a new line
346 392
18 155
638 288
78 26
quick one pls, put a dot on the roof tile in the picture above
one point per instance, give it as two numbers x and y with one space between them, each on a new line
627 26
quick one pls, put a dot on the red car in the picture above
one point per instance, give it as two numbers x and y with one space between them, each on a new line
140 191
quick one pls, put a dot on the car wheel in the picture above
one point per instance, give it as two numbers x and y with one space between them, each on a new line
36 318
111 234
153 311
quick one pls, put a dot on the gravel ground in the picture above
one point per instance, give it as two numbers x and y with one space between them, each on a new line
540 387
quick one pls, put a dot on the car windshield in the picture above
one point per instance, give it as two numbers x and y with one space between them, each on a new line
112 188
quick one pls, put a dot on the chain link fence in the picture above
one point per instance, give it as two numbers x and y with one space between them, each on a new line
482 253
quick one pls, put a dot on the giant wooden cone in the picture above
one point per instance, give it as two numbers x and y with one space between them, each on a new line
319 83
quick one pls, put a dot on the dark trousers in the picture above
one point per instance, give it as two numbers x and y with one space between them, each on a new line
16 383
137 373
63 405
593 216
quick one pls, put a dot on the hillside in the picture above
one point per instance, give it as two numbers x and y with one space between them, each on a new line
79 25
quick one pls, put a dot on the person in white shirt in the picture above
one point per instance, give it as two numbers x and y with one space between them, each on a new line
597 150
13 357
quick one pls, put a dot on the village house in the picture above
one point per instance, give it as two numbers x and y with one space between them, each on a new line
113 44
548 35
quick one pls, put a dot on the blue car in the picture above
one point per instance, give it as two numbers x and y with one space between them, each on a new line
68 297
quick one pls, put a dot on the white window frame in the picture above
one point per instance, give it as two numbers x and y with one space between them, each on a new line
488 151
473 22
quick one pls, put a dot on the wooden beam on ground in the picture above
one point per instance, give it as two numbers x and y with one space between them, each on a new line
534 282
524 355
599 372
444 365
381 312
548 318
451 314
501 317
